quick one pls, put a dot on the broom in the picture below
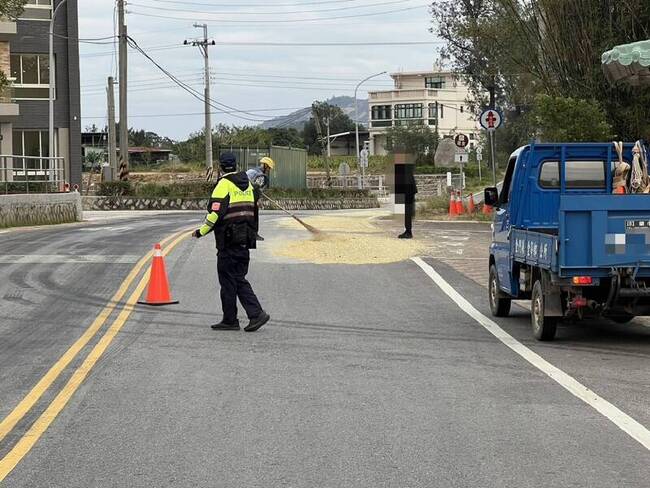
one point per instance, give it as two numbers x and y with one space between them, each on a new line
310 228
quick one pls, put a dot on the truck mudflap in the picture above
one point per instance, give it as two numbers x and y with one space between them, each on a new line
601 232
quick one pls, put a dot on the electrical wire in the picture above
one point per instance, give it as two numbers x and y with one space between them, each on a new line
255 4
278 21
281 44
187 114
290 12
188 88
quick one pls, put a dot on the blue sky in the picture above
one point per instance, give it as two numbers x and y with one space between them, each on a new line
261 79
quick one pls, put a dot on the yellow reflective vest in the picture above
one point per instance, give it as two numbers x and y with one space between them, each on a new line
231 205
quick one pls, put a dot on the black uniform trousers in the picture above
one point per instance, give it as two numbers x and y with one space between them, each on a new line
232 268
409 212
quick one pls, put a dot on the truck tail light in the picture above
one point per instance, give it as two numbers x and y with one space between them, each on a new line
579 302
582 280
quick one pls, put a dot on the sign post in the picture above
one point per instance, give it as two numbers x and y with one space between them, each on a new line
461 141
479 158
491 119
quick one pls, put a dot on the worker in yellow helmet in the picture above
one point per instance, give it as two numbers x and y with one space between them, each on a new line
259 178
231 218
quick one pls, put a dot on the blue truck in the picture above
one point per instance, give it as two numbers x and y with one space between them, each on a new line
562 239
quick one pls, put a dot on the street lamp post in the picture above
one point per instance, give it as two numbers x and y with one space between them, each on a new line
356 122
52 80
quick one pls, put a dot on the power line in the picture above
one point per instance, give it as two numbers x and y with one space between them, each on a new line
290 12
283 44
216 112
326 44
188 88
278 21
254 4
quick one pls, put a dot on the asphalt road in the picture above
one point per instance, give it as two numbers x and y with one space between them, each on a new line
366 376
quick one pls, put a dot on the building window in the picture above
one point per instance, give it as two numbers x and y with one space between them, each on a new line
436 111
381 112
434 82
34 143
408 111
37 10
32 76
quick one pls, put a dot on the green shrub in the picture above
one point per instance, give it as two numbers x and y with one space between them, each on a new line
115 188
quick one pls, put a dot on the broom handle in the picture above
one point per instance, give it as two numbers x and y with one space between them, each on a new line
278 205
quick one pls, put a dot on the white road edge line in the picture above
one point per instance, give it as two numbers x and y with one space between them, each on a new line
623 421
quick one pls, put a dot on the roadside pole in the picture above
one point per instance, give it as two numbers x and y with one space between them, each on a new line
124 119
112 138
491 119
203 45
493 156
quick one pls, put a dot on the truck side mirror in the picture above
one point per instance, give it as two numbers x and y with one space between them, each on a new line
491 196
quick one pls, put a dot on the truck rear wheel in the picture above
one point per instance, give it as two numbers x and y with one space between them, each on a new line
544 328
499 305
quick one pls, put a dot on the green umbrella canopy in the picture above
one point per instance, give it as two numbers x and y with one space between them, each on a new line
629 63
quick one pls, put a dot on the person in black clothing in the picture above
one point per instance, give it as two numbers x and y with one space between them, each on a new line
405 191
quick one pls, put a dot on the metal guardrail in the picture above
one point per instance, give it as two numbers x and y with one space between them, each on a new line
373 183
32 174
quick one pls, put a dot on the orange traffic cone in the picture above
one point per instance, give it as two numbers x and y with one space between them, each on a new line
487 209
452 204
459 204
471 206
158 292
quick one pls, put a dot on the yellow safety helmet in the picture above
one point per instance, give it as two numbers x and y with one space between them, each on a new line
268 161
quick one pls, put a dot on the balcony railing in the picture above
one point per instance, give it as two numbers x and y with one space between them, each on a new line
32 174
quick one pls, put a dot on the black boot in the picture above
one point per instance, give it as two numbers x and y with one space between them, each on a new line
226 325
257 322
406 235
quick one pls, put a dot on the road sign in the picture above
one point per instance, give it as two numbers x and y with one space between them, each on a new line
461 140
461 158
491 119
479 156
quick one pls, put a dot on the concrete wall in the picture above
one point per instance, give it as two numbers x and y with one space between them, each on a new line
128 203
39 209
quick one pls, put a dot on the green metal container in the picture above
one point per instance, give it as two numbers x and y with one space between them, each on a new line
290 163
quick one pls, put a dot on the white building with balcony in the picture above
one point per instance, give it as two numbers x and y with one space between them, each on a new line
437 99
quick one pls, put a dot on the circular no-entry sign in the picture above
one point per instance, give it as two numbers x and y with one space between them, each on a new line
461 140
491 119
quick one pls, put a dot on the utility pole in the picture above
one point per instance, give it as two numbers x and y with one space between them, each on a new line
124 119
112 137
203 46
329 141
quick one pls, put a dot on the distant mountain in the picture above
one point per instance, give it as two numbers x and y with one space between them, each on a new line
300 117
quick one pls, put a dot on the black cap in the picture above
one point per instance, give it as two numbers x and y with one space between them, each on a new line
228 161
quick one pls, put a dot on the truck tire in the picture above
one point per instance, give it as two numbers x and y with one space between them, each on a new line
499 305
544 328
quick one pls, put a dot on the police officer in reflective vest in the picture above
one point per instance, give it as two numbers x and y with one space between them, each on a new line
231 218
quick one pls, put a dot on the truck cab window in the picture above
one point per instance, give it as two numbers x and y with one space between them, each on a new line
549 175
504 196
585 174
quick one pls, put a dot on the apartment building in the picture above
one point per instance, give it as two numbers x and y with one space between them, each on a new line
437 99
24 105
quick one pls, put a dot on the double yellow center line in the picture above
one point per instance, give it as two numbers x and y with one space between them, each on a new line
27 441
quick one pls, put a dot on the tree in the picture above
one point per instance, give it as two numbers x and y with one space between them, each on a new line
419 140
528 47
339 122
560 119
12 9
